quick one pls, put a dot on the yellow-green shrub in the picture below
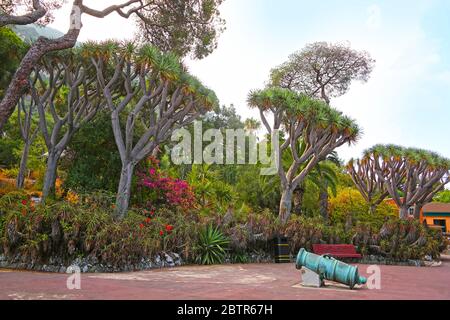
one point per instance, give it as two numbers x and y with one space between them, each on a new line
349 201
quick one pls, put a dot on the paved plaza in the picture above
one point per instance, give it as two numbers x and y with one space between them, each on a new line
253 281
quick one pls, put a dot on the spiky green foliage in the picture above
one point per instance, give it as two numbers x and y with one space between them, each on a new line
164 66
212 246
301 108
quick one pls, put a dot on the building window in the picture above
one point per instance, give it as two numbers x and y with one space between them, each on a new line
411 211
441 223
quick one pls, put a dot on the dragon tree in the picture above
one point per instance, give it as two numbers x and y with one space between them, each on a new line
411 176
364 176
154 93
312 128
62 86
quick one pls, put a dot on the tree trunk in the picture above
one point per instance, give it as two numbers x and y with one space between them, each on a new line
323 200
299 193
372 208
285 205
404 212
19 82
50 175
348 221
124 191
20 183
417 209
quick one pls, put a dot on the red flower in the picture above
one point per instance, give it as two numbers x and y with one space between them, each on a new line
161 233
24 202
169 228
148 220
141 226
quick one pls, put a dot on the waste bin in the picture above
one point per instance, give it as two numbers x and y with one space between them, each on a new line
282 250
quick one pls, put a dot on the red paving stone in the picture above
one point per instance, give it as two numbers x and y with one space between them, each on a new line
253 282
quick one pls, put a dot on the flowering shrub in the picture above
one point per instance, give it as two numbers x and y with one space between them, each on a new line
40 232
166 190
72 197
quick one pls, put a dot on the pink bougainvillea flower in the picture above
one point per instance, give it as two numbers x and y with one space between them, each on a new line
169 190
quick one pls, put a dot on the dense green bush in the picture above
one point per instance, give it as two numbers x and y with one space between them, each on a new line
349 205
12 49
443 197
93 162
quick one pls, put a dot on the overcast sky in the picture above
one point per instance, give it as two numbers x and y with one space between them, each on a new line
405 102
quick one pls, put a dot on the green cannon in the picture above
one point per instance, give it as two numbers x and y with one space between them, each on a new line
329 268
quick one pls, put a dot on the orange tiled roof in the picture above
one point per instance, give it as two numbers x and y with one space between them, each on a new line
437 207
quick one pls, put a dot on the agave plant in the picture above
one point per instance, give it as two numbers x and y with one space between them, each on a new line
211 247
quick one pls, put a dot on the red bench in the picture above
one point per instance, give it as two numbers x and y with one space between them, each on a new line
336 250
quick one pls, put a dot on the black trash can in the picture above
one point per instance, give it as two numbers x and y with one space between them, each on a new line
282 250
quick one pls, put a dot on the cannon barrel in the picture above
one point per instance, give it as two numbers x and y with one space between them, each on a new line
329 268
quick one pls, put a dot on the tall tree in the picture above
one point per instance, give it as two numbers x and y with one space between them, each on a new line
183 27
190 26
149 88
327 179
28 133
323 70
62 85
370 185
323 176
313 130
23 12
411 176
